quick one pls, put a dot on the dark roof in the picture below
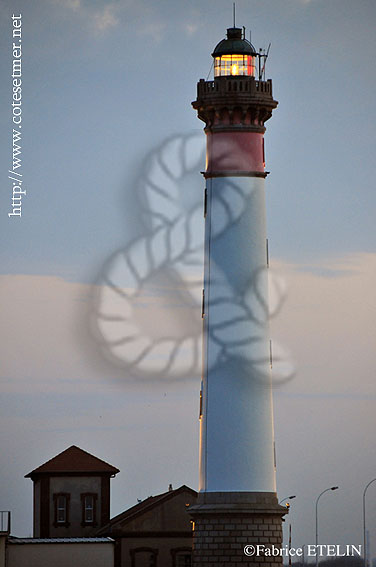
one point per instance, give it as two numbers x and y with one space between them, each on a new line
73 460
28 540
146 505
234 44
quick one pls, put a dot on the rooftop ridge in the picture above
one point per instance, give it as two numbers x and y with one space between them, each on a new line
71 460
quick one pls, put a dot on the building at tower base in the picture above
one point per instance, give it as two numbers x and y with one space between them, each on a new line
227 525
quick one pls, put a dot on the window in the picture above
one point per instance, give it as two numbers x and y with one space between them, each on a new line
183 560
89 501
89 508
143 557
238 64
181 557
263 151
61 509
61 506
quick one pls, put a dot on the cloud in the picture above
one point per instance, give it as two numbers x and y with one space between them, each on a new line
50 362
141 17
191 28
73 4
105 18
156 30
326 324
101 20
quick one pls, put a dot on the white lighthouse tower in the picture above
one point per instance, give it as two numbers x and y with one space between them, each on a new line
237 502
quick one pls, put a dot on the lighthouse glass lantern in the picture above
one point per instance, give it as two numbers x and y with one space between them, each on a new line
234 55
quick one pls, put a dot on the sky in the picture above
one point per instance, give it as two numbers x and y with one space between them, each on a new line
106 123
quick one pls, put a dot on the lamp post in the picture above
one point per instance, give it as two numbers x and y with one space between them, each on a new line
317 518
287 498
288 506
364 523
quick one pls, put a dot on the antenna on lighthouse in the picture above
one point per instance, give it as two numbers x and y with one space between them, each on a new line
264 56
234 14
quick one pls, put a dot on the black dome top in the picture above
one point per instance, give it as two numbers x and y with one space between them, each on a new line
234 44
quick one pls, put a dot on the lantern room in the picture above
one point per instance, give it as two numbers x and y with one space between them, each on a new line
234 55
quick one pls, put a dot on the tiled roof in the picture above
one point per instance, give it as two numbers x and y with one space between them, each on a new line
145 505
74 460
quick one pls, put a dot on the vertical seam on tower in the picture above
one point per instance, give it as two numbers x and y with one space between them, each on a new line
207 320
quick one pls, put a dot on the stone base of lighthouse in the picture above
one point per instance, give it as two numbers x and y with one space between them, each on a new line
226 522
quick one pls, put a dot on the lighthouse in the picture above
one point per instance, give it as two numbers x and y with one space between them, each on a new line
237 504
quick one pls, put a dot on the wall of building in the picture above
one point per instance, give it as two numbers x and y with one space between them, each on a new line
36 509
154 537
61 555
75 486
143 549
2 549
168 516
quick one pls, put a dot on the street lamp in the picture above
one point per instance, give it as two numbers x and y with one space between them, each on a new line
364 523
287 498
288 506
317 518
